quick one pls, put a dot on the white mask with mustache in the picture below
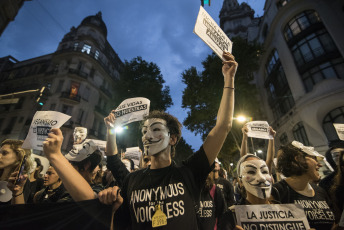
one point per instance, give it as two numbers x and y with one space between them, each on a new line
155 136
254 174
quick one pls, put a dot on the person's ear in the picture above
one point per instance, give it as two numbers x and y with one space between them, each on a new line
173 140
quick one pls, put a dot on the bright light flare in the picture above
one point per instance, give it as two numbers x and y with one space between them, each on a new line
119 129
241 118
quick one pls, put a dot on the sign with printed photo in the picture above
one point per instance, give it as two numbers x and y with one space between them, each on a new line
340 130
259 129
41 124
130 110
271 216
208 30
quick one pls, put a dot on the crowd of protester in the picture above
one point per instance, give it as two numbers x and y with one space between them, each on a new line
157 193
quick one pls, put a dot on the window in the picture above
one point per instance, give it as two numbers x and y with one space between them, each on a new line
52 107
299 133
66 109
277 87
96 55
334 116
329 69
59 86
9 127
76 44
300 22
86 48
284 139
312 46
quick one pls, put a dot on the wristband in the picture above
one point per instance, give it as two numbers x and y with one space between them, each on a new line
18 194
228 87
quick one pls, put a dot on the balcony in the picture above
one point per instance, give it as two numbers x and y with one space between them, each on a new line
78 73
68 96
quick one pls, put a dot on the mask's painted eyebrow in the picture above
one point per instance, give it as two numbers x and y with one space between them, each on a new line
263 166
252 166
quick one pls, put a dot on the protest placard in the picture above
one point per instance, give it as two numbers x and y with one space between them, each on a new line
133 153
130 110
271 216
41 124
259 129
340 130
208 30
101 145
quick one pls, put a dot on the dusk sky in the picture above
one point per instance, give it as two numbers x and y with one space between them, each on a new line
160 31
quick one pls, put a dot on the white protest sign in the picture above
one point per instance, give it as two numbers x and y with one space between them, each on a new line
271 216
101 145
258 129
340 130
41 124
130 110
44 161
134 154
208 30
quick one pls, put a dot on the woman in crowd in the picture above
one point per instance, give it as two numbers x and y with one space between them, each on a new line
212 205
36 180
54 190
299 164
255 184
11 155
337 190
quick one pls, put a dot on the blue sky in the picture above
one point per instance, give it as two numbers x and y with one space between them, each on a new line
159 31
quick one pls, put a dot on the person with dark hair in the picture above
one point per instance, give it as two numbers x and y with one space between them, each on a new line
212 205
300 165
223 184
164 193
337 190
255 186
332 155
11 155
36 180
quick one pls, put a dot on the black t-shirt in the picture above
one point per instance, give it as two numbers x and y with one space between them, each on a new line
35 186
117 168
211 208
176 188
227 190
317 208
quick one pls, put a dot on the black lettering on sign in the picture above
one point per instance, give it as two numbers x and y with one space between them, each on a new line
42 132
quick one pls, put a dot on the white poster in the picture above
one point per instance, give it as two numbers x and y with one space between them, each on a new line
130 110
134 154
44 161
208 30
271 216
101 145
340 130
41 124
259 129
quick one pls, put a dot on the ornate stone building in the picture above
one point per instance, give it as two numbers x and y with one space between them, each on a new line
80 76
301 74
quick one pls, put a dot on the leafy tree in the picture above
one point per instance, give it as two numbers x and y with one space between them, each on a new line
183 151
203 92
140 78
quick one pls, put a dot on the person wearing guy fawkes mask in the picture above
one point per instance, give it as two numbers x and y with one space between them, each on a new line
85 158
225 186
79 135
164 194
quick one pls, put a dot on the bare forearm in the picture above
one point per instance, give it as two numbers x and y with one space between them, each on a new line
243 150
270 154
75 184
18 199
111 146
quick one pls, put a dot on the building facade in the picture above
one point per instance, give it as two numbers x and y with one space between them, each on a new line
301 73
80 76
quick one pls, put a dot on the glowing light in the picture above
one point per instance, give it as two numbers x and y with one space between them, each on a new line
241 118
119 129
259 151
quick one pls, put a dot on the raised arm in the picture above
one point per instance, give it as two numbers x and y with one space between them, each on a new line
75 184
111 146
17 189
271 149
215 139
243 150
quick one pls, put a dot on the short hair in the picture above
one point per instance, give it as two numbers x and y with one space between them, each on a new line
95 158
291 161
172 123
15 145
